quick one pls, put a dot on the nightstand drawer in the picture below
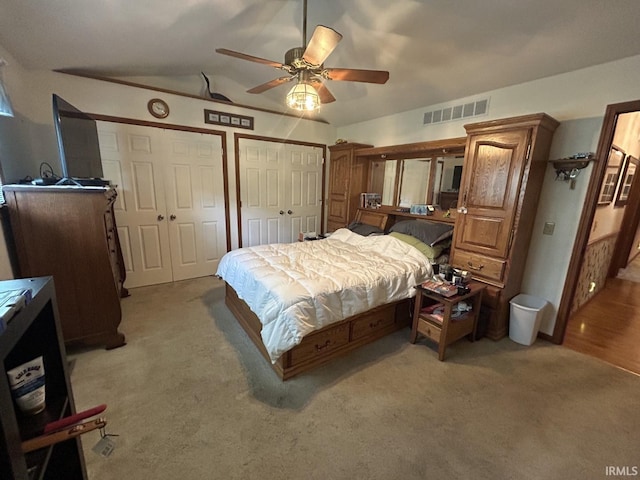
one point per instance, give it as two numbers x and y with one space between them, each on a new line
428 329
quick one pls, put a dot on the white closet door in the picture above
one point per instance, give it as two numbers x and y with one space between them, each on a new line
170 208
194 192
261 184
303 192
280 191
131 159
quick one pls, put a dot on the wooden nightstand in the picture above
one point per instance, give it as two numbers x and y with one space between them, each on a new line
443 329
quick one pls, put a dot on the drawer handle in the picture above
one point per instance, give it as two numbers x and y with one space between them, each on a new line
374 325
322 347
473 267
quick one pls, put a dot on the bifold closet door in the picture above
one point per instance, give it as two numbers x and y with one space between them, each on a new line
194 197
170 206
280 191
131 159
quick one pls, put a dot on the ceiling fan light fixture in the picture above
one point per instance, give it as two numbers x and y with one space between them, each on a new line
303 97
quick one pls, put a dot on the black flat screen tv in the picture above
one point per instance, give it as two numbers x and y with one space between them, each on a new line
78 144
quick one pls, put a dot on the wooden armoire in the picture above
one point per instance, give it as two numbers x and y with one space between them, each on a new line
348 178
504 168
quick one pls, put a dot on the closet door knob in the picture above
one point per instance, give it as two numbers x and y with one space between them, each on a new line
160 218
289 212
172 217
281 212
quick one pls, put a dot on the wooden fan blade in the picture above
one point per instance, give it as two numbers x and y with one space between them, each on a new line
323 92
353 75
251 58
273 83
322 43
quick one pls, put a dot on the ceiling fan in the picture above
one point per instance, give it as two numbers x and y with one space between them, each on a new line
306 65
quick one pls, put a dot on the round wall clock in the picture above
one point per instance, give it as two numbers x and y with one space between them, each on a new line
158 108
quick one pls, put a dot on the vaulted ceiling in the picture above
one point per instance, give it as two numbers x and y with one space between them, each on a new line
435 50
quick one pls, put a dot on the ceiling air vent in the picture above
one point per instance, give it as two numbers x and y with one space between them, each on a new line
457 112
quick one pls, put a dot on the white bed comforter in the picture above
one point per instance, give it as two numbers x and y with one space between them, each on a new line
296 288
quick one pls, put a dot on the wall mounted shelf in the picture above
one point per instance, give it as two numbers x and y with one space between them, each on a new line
568 169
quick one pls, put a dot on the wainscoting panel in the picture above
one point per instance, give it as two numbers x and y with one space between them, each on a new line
594 269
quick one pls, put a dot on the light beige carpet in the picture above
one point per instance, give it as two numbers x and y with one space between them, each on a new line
191 398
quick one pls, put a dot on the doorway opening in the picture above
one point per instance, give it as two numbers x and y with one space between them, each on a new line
597 312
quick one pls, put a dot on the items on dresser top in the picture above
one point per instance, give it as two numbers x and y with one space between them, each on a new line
11 302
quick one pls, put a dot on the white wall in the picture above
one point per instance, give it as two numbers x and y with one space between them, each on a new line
578 100
105 98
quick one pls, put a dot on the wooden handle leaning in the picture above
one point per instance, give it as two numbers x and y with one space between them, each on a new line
62 435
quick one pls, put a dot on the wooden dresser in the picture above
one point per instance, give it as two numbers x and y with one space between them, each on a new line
504 167
69 232
348 178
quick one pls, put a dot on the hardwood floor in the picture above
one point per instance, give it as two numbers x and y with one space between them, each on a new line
608 326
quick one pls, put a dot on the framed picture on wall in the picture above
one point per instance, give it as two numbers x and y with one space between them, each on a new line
626 180
611 176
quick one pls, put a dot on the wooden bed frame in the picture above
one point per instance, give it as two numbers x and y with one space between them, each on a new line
327 343
333 340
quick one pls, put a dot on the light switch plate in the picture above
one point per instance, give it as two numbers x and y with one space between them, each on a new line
548 228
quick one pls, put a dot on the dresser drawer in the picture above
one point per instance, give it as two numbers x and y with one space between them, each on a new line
366 326
320 343
428 329
479 265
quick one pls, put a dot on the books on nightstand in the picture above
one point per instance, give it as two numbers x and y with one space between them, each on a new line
444 289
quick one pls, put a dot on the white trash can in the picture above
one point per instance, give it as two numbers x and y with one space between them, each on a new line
525 318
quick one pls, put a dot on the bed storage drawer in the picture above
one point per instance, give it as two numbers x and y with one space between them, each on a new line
320 343
368 325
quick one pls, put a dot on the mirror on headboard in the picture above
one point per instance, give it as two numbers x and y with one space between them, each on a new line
427 172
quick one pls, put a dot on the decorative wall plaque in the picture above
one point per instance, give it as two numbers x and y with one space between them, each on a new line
228 119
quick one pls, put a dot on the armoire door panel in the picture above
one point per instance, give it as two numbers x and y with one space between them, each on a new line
491 179
337 209
484 233
340 166
491 187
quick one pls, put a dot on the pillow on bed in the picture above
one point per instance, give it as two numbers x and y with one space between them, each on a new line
364 229
427 250
427 232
